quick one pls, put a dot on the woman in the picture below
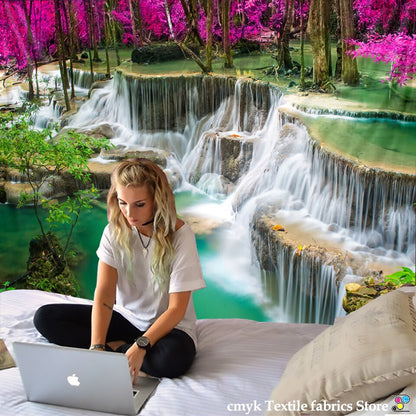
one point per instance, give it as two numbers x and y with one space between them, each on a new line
148 266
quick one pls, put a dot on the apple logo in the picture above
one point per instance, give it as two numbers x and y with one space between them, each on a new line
73 380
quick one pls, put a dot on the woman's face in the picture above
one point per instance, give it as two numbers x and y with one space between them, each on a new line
136 204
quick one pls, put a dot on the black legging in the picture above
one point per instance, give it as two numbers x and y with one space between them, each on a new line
70 325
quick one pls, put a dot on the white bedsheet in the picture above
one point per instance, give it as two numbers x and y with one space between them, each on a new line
238 361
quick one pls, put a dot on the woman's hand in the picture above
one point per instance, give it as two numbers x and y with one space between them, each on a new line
178 302
135 356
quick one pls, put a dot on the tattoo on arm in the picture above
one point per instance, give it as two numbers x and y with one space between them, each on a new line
108 306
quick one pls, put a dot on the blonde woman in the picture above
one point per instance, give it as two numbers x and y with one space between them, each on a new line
148 268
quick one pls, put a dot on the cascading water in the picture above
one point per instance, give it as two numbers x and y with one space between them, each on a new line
198 120
48 115
83 79
377 208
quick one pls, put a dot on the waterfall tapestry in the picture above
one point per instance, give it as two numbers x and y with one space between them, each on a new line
293 160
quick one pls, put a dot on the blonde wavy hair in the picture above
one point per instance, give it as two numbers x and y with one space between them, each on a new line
143 172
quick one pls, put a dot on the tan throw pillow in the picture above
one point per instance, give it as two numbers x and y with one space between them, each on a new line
366 356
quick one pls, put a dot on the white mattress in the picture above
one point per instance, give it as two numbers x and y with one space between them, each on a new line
238 361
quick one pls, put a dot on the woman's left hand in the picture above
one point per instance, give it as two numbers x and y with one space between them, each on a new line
135 356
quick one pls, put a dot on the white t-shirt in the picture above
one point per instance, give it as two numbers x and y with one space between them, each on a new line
137 298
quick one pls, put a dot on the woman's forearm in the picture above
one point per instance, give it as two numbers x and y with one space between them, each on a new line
104 298
100 321
170 318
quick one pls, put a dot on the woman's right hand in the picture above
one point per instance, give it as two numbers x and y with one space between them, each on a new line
135 356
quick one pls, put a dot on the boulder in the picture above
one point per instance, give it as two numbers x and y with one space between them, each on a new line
161 52
99 130
234 151
357 295
54 187
121 152
12 191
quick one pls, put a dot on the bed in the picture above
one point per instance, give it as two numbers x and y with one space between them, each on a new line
238 365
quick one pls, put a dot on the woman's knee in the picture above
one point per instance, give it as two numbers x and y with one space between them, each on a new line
43 316
64 324
171 357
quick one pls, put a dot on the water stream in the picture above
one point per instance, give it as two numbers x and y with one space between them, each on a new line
275 167
194 119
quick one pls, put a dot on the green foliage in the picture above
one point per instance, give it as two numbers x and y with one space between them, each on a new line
405 276
6 286
41 156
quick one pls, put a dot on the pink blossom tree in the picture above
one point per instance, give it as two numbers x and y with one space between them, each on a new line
399 50
28 35
390 26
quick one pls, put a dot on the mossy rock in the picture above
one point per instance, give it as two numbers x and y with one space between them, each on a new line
358 295
45 272
160 52
246 47
43 277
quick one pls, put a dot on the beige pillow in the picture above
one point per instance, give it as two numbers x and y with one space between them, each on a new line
391 404
366 356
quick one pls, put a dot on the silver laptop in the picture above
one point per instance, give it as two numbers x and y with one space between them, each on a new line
73 377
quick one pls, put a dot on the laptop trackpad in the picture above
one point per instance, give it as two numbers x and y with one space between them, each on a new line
143 389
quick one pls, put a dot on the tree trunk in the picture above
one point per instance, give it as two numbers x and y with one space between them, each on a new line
208 25
318 29
91 65
136 23
167 11
109 7
72 54
61 38
225 20
195 57
190 8
302 44
140 24
338 63
115 41
91 27
29 48
74 39
61 58
350 74
35 60
94 39
107 43
184 48
133 23
285 60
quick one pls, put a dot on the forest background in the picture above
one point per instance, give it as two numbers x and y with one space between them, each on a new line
33 32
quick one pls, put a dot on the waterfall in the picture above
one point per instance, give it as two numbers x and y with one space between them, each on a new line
388 115
214 126
376 207
371 207
48 115
82 79
308 295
